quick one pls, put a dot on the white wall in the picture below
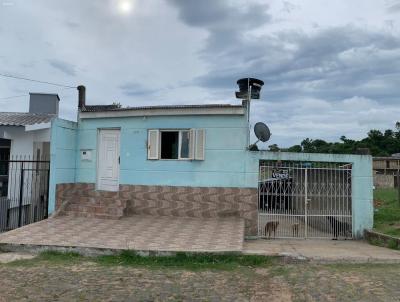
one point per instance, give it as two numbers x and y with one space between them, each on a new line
22 141
22 146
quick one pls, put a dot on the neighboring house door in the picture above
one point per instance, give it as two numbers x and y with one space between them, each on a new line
39 178
108 160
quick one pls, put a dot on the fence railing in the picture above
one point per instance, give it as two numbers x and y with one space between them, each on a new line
24 190
305 200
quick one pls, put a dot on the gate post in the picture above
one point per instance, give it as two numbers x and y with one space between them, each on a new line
305 202
21 194
46 211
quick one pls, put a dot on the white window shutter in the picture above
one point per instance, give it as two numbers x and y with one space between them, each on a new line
153 144
200 139
192 143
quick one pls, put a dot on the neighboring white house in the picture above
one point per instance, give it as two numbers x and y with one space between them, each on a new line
24 145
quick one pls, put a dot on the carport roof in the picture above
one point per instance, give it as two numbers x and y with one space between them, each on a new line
24 118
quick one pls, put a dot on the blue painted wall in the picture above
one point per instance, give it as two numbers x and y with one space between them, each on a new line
227 163
225 144
62 156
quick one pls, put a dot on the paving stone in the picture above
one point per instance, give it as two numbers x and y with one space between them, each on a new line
138 232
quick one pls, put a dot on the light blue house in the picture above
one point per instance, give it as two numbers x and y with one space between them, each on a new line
194 161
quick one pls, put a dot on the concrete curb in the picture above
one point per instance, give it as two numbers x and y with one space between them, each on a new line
285 258
373 235
94 251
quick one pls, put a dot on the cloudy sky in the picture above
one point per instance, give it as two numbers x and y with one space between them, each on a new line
330 68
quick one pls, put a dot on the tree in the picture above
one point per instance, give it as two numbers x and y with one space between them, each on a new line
379 143
274 148
295 148
118 104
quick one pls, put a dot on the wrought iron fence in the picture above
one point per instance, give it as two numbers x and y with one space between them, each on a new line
24 191
305 200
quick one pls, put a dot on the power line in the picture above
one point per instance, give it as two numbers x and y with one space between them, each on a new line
14 96
32 80
28 93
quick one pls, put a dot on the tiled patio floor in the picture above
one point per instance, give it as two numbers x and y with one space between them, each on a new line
146 233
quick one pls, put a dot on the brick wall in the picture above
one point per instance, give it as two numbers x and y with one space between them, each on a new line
163 201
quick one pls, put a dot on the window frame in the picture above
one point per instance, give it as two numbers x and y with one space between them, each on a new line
179 144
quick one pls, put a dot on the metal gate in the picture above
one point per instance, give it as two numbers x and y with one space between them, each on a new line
304 200
24 191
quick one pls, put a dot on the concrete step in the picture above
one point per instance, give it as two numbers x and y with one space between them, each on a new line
84 208
108 202
96 208
89 215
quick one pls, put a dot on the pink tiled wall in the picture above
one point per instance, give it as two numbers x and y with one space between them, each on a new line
162 201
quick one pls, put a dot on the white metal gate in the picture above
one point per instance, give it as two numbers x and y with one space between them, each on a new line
304 200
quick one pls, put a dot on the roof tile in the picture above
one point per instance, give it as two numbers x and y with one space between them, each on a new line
24 118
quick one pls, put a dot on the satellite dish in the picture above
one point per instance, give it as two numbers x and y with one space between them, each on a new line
262 132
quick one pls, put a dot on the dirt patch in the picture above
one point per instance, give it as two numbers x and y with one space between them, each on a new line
378 203
88 281
279 290
10 257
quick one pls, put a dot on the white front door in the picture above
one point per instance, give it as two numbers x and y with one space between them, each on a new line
108 160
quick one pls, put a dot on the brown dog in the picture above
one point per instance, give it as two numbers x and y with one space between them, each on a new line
271 227
295 229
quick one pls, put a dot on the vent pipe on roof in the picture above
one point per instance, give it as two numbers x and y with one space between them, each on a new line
81 96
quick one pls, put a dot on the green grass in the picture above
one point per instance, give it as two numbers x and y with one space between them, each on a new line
132 259
186 261
387 214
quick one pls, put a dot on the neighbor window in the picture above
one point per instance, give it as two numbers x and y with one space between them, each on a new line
176 144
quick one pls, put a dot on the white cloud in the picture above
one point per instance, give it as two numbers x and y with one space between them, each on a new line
330 69
292 121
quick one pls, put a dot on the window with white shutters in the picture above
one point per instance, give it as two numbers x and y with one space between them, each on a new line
185 144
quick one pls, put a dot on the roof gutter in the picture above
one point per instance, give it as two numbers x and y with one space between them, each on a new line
237 110
39 126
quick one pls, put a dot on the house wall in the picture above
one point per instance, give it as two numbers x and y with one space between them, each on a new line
225 144
227 164
22 147
62 156
22 141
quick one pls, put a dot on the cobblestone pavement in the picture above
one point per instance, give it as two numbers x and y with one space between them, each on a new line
88 281
140 232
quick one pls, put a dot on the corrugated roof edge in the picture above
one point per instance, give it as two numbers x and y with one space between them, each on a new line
103 108
24 118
